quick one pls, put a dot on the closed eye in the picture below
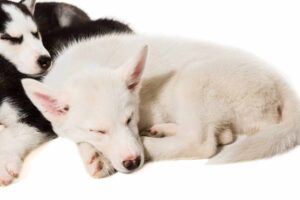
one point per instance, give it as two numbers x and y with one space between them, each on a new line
14 40
103 132
36 35
129 119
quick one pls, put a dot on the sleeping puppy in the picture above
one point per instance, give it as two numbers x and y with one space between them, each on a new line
22 55
105 90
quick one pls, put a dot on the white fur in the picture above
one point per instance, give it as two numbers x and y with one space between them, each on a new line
25 55
210 92
16 141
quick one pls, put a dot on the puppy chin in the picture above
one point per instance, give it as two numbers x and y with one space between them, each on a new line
35 72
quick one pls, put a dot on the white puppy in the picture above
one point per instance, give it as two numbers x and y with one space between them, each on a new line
197 94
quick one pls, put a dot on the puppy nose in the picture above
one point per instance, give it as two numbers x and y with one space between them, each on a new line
132 164
44 62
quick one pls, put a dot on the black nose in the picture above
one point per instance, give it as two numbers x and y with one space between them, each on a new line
44 62
132 164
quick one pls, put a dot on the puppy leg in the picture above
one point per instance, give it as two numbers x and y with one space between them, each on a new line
15 143
184 145
95 163
161 130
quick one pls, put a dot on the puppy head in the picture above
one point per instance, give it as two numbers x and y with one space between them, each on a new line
20 40
99 107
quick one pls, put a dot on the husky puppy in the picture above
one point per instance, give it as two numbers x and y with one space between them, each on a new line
105 90
22 55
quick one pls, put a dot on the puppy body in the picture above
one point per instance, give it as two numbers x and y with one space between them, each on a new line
197 94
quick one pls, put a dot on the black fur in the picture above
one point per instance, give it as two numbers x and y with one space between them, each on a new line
4 18
12 90
47 16
55 40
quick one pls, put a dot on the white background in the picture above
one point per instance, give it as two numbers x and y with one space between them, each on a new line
270 29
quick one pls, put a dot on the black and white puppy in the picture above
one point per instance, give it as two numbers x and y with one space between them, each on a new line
22 55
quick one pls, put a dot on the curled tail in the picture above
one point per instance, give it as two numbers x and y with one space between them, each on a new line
270 141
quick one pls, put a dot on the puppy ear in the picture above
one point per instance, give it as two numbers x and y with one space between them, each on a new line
132 71
29 4
52 105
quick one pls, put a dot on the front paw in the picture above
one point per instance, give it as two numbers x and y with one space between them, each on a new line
161 130
10 167
153 132
98 166
95 163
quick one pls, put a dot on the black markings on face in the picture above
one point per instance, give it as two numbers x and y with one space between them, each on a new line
13 40
36 34
4 19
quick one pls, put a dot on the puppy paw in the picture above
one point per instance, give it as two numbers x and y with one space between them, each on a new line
95 163
153 132
10 167
98 166
161 130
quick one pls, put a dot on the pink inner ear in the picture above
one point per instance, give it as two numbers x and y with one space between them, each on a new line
51 105
135 76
